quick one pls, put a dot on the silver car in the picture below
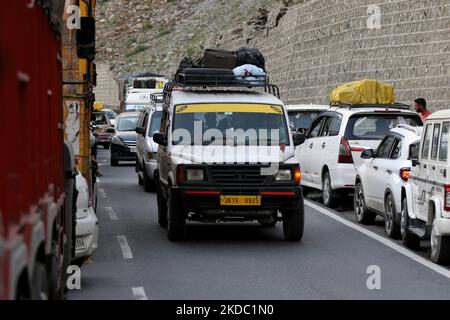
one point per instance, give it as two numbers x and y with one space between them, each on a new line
149 122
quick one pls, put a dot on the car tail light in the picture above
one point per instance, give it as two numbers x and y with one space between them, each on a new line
297 175
345 152
404 173
180 175
447 197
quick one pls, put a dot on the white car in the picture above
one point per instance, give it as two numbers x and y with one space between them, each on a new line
86 222
146 149
301 116
426 197
383 173
331 153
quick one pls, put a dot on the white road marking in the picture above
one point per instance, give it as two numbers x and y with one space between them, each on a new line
112 215
102 193
437 268
126 251
139 293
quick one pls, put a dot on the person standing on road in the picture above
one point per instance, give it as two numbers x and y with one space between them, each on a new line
421 108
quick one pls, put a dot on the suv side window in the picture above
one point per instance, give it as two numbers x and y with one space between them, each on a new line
435 146
427 142
145 121
443 148
314 132
326 127
385 148
335 126
397 150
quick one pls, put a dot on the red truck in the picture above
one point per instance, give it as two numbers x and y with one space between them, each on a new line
37 166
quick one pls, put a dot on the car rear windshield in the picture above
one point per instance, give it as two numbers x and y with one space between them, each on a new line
376 126
230 124
302 119
127 124
155 124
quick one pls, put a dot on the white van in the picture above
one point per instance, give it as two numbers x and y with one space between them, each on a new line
218 160
426 197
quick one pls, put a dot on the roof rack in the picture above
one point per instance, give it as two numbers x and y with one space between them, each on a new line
400 106
207 80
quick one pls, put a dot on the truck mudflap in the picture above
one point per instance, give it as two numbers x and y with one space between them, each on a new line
410 200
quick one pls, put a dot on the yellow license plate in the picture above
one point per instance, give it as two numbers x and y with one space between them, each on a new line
240 200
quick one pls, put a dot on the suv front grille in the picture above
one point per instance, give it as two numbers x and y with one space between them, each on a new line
237 174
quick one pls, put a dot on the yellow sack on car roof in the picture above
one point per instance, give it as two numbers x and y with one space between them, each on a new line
98 106
364 92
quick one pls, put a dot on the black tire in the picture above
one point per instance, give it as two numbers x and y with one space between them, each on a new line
40 290
114 162
306 191
409 239
140 180
329 195
294 222
78 262
149 185
440 248
362 213
176 226
162 207
55 285
391 225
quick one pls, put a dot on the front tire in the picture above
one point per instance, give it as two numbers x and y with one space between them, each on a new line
362 213
114 162
294 222
440 247
176 227
391 226
40 283
147 182
409 239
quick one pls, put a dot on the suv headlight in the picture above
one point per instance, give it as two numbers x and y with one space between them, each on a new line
283 175
117 140
195 175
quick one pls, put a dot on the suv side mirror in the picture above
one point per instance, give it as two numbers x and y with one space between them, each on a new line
111 130
160 138
140 130
299 139
415 162
368 154
86 39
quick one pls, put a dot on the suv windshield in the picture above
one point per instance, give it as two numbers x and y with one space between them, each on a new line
376 126
110 114
127 124
302 119
155 124
230 124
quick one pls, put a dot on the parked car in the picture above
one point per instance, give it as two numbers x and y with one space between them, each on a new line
111 116
383 174
123 143
147 150
426 196
101 123
227 180
331 153
87 223
301 116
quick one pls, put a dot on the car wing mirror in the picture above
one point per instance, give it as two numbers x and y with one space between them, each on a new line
140 130
368 154
415 162
160 138
111 130
299 139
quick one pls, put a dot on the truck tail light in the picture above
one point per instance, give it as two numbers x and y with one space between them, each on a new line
180 175
404 173
345 152
297 175
447 197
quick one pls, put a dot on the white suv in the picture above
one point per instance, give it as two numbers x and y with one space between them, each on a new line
302 115
218 159
383 173
331 153
426 197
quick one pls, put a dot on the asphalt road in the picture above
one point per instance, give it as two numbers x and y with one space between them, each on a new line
244 261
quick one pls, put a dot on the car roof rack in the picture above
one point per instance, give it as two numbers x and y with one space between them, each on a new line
400 106
205 80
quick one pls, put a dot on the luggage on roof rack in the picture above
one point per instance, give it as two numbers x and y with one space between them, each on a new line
208 77
400 106
220 59
364 92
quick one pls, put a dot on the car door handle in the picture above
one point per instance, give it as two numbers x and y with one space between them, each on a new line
444 173
311 145
389 171
424 166
324 145
433 168
375 167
